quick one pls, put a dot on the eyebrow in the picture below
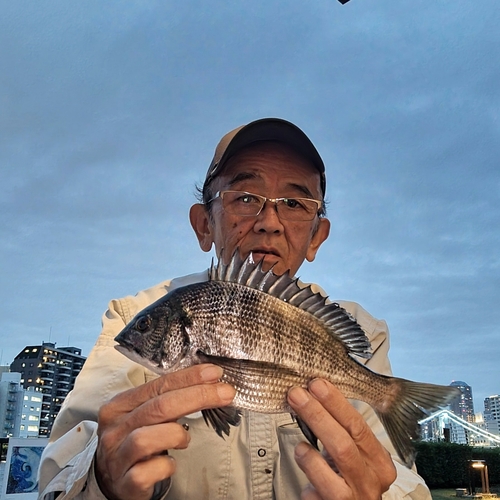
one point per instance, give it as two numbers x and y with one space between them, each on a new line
244 176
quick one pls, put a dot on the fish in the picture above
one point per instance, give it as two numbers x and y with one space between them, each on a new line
269 333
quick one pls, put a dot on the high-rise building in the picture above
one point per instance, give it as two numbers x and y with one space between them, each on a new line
11 397
492 414
463 405
492 406
50 372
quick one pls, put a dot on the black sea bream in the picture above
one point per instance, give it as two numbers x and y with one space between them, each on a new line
270 334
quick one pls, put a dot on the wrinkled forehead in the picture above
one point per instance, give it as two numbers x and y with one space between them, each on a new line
270 159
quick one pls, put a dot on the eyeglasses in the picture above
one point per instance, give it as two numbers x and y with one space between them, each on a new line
251 205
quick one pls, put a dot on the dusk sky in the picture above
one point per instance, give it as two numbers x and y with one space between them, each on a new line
110 112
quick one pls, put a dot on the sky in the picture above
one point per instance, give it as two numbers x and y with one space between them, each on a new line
110 113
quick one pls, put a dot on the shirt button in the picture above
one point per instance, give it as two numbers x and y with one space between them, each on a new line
261 452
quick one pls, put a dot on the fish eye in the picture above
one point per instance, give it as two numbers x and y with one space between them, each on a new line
143 323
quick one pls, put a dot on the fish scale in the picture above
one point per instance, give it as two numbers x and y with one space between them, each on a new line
269 334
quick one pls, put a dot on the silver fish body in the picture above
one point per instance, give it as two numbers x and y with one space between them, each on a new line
269 334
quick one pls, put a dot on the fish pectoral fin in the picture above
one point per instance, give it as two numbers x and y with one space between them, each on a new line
236 369
221 418
306 430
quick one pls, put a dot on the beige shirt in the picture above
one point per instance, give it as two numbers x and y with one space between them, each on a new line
254 462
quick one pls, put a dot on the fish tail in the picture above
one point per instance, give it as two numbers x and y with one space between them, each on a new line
404 405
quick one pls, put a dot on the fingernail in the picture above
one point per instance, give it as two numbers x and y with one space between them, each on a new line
211 373
301 449
319 388
226 392
298 396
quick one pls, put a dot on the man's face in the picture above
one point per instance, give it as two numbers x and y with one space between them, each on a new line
272 170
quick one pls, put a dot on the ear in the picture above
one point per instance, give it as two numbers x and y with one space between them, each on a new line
321 234
200 222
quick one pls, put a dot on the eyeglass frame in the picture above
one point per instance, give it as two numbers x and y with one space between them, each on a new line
220 194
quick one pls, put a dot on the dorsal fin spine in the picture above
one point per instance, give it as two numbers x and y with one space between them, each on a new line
336 319
276 289
301 296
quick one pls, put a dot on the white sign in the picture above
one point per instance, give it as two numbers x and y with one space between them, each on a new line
21 469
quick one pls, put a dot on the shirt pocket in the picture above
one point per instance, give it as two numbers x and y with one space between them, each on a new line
289 479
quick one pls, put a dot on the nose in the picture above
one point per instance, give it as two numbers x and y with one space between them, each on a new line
268 220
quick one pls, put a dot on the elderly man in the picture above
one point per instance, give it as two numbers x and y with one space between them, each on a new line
126 434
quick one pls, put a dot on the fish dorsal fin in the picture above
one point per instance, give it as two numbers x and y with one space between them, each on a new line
337 320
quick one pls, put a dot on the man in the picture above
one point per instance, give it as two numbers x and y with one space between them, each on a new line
124 433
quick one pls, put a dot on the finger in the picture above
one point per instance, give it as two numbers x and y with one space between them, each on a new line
310 493
352 462
126 401
323 424
139 481
173 405
146 442
324 480
371 451
346 415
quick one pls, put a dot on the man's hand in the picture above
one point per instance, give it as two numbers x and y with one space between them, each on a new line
353 465
137 427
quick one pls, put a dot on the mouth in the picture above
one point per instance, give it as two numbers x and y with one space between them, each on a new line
267 255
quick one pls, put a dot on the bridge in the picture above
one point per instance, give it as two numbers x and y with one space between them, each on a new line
444 415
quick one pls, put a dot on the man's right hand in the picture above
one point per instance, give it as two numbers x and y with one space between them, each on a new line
138 426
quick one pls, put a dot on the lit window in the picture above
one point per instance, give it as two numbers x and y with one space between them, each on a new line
23 417
26 398
36 398
34 349
22 427
32 428
33 418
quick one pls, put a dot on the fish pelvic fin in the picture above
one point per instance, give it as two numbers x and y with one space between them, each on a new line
306 430
408 402
338 322
221 418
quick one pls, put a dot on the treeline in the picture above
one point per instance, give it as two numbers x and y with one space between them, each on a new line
447 465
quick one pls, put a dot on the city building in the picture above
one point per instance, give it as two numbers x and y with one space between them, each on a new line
47 373
20 409
11 398
492 414
31 412
459 424
463 405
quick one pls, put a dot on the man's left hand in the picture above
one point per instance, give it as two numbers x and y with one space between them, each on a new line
353 465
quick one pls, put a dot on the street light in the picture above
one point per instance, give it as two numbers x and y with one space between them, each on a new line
481 466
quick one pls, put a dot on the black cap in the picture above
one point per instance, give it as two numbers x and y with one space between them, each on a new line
266 129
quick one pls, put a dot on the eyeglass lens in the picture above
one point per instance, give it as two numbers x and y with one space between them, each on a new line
248 204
